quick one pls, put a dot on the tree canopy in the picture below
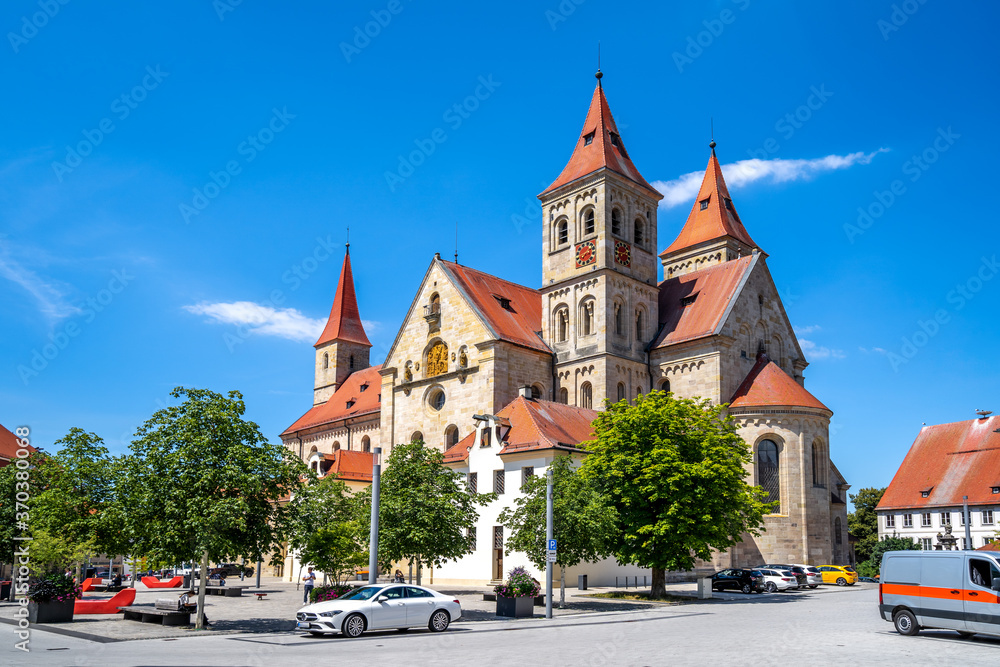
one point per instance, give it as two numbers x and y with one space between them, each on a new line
425 512
673 469
329 529
862 523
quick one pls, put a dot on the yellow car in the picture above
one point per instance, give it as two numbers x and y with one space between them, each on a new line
841 575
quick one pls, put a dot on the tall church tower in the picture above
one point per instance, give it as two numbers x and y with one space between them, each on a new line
343 347
599 293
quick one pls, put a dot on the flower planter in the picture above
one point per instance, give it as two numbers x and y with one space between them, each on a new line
522 607
50 612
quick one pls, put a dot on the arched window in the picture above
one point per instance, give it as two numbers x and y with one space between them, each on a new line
450 436
621 391
326 361
838 530
619 324
562 324
665 386
587 318
587 396
536 392
638 392
562 232
564 395
639 330
639 236
767 470
436 399
588 222
366 444
336 446
351 362
435 304
817 480
417 437
616 222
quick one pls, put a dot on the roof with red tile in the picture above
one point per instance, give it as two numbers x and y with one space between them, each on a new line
605 149
345 318
520 322
716 220
335 409
536 425
9 445
949 461
766 385
350 465
992 546
713 290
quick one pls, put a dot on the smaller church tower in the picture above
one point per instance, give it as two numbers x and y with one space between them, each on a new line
713 233
343 347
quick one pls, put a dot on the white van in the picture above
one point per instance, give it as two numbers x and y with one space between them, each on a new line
953 590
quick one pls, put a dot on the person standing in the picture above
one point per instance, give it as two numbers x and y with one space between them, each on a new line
310 580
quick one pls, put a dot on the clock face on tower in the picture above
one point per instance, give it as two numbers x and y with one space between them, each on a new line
586 253
623 253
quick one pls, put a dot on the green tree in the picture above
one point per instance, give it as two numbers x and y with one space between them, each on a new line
328 528
872 566
425 512
74 488
583 523
862 523
674 471
202 483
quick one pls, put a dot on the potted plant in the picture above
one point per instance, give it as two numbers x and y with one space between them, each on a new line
51 598
516 596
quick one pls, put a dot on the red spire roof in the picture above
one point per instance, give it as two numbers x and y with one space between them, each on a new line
766 384
717 219
600 146
345 319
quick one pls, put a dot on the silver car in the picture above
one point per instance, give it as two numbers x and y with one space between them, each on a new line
380 607
813 574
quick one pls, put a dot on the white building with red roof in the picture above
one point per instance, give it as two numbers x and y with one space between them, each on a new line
601 326
946 464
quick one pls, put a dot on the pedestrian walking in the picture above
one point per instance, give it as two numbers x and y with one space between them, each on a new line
310 580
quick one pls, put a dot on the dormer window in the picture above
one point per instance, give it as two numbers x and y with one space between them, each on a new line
504 302
588 139
688 300
350 404
729 203
617 143
995 489
364 386
704 203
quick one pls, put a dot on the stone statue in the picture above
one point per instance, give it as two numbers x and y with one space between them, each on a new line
437 360
946 541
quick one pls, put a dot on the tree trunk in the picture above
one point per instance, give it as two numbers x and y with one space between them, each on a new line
200 620
562 586
418 571
659 583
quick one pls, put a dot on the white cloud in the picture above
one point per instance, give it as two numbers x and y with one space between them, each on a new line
876 350
801 331
284 322
814 351
50 297
684 189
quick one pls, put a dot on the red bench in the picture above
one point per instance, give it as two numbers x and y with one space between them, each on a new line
122 598
88 583
153 582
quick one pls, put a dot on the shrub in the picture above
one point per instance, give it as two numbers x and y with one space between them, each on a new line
519 584
54 588
331 592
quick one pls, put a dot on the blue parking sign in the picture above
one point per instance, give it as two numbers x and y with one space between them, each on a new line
552 545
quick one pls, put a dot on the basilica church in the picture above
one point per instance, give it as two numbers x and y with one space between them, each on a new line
502 377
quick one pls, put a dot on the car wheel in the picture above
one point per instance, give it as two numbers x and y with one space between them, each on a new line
316 634
965 635
906 623
439 621
814 586
771 588
841 581
353 626
747 589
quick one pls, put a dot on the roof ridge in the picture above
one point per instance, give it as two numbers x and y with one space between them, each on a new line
466 267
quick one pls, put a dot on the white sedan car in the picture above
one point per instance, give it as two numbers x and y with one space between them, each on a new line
380 607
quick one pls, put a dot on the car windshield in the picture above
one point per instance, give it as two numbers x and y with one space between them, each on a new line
363 593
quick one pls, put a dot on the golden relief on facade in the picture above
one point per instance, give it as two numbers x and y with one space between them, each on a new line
437 360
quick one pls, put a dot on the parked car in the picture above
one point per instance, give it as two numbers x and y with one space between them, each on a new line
380 607
740 579
778 580
953 590
841 575
813 575
800 574
226 570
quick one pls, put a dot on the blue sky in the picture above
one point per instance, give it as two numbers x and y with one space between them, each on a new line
170 172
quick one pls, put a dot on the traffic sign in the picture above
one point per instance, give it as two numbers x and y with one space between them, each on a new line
552 545
550 556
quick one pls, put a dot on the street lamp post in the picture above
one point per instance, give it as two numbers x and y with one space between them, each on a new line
376 493
548 541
